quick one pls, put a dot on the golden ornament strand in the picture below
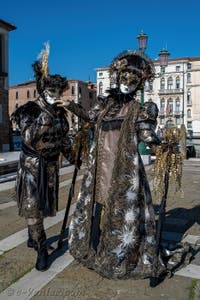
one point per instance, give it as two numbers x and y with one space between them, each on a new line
169 160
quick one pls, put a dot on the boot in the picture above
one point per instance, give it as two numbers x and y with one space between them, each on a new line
38 236
42 257
30 242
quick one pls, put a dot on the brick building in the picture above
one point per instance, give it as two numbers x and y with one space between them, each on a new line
5 28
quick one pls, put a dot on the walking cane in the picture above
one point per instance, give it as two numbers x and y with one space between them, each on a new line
154 279
70 196
174 161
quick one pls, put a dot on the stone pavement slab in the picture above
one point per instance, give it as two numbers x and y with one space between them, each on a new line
20 237
192 239
27 286
192 271
78 283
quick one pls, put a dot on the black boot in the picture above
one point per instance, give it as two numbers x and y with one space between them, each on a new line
42 257
30 242
38 240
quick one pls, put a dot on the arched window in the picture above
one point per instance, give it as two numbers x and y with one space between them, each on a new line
72 90
169 123
162 106
188 77
148 86
177 82
169 83
34 93
16 95
28 94
189 96
162 83
162 121
189 113
169 108
189 66
178 103
100 88
178 121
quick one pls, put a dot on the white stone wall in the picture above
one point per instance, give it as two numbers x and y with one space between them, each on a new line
103 77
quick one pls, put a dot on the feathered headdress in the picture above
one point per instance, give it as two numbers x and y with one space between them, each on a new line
43 57
40 67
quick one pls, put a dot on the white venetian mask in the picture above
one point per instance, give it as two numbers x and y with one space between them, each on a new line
50 97
125 89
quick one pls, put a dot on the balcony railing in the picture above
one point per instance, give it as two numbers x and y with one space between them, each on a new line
189 103
170 91
176 113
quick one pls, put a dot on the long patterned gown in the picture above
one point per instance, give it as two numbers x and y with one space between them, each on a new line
116 179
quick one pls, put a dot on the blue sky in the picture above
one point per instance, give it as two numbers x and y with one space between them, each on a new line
85 35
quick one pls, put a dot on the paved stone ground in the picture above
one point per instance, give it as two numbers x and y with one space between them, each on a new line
77 282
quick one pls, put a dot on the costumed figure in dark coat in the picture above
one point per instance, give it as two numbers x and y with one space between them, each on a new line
113 227
44 129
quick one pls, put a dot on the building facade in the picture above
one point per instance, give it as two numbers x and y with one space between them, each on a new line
80 92
176 91
5 137
103 81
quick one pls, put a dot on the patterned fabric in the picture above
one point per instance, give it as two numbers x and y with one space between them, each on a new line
127 241
44 132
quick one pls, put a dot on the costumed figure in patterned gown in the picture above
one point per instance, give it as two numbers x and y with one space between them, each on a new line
44 129
113 227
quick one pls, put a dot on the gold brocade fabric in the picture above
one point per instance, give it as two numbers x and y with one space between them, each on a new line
44 131
115 176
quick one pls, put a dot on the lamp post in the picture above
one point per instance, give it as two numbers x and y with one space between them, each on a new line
142 42
163 57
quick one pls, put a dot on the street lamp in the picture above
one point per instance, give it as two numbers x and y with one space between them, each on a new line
163 57
142 41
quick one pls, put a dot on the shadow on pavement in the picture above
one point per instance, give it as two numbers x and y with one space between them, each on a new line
57 252
178 220
188 217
